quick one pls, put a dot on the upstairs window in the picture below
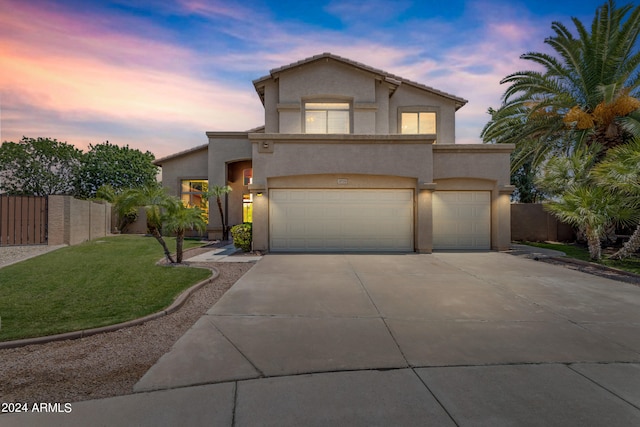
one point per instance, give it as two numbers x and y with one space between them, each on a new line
327 117
422 122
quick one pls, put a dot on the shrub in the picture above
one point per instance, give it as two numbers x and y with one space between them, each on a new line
242 236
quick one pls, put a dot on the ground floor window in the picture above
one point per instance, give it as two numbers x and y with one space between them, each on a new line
191 194
247 208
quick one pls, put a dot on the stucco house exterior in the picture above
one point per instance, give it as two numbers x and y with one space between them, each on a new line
351 158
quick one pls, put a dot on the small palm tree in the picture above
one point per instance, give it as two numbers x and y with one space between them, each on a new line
591 209
218 191
181 218
579 200
620 171
111 195
155 200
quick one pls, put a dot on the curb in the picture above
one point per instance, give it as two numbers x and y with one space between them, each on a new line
175 305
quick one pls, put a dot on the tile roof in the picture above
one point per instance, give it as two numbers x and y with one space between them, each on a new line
389 77
159 162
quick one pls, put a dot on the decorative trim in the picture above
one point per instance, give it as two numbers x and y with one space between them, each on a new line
368 106
341 138
474 148
289 106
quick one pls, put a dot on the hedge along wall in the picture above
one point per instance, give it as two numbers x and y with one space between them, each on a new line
73 221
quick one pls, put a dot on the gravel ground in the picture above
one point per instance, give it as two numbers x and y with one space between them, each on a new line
106 364
12 254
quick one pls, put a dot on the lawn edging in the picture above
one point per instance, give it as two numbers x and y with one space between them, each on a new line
602 270
175 305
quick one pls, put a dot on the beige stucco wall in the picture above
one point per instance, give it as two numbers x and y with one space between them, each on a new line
191 165
394 155
366 161
376 103
327 80
486 161
306 161
479 167
234 198
224 148
271 100
408 97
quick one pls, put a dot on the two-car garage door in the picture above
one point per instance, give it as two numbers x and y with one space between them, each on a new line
316 220
313 220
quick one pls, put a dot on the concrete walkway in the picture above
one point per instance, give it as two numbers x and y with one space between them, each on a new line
443 339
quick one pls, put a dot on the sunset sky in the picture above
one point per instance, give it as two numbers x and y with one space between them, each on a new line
157 75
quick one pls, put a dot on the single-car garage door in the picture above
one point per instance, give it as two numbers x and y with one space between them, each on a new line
340 220
462 220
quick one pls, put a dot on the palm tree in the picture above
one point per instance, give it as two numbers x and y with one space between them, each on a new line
218 191
578 199
125 217
155 200
589 83
620 171
181 218
591 209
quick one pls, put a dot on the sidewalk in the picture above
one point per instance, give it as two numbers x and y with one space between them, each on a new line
225 254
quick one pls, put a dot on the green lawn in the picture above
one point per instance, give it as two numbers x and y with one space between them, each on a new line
98 283
582 253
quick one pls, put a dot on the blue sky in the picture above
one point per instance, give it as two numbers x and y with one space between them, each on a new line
157 75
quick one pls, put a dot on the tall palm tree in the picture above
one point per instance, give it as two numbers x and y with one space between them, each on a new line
620 171
586 86
218 191
180 219
155 200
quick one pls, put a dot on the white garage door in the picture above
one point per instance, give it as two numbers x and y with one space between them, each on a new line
341 220
461 220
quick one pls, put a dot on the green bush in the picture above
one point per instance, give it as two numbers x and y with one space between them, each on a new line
242 236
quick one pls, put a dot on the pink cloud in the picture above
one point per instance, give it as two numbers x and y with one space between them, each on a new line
83 71
218 9
82 68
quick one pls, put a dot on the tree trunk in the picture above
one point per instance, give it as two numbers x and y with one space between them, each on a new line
155 233
595 249
179 242
630 246
225 233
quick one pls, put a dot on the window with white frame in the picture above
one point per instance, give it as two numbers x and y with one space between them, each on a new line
418 122
327 117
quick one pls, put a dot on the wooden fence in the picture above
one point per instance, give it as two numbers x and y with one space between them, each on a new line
23 220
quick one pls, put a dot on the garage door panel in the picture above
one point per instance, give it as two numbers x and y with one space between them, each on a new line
462 220
341 220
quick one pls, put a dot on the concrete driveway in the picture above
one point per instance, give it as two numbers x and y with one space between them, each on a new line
442 339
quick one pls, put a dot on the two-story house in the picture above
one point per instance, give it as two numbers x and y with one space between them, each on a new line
352 158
